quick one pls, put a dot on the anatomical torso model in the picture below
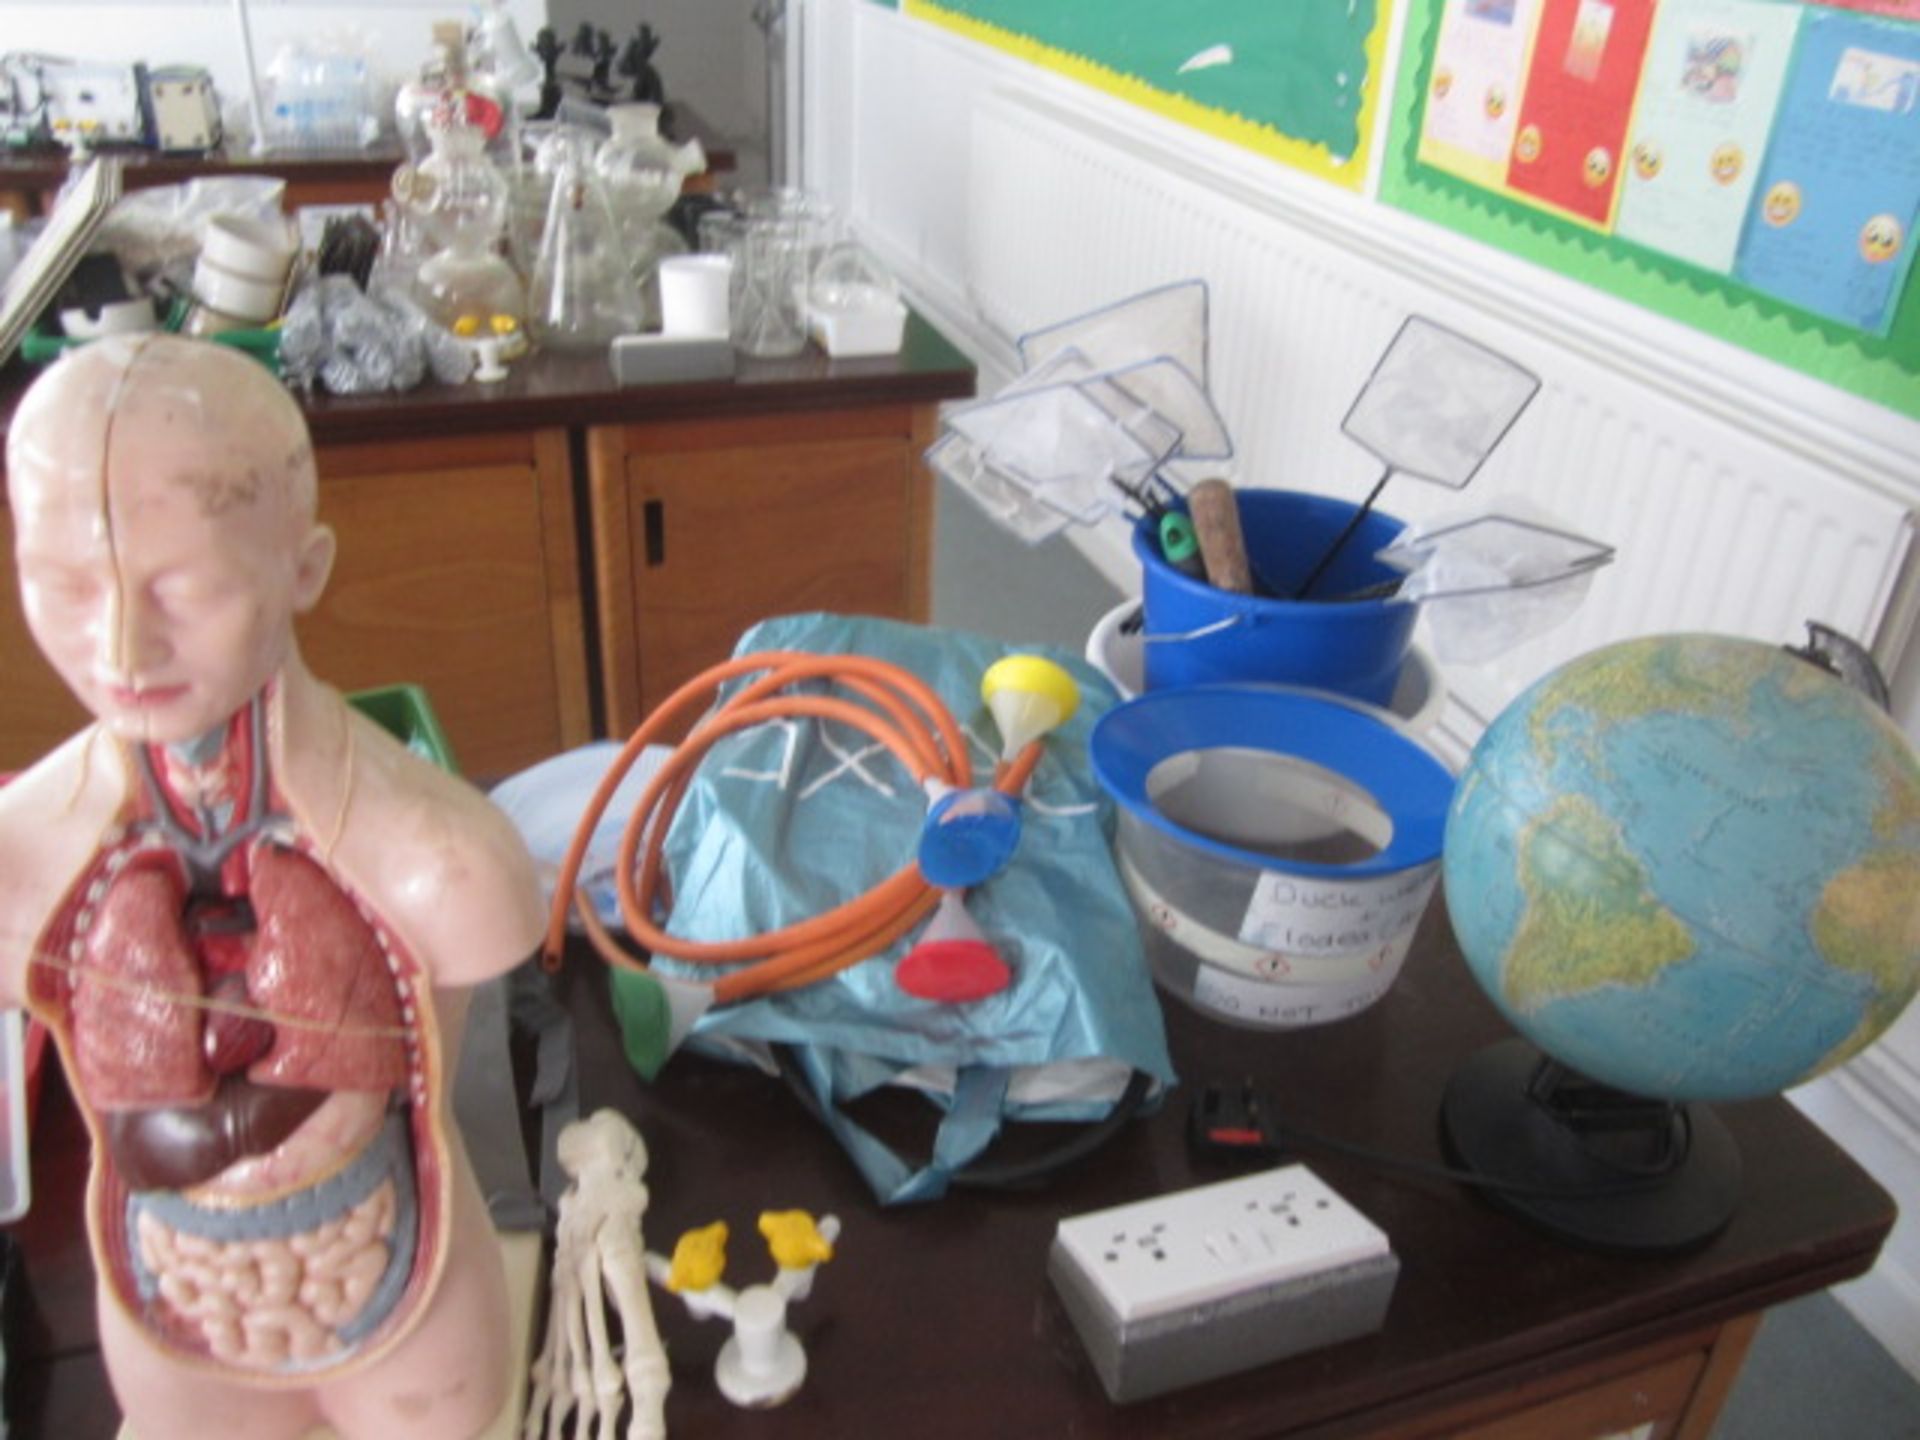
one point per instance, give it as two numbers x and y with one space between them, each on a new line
248 916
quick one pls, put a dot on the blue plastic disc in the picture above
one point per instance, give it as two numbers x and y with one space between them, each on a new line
968 838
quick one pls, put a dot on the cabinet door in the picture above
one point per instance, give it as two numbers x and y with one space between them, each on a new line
702 530
458 571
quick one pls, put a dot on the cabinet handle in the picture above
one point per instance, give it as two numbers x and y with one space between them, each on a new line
654 516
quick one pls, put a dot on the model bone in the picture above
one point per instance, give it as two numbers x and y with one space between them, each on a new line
599 1255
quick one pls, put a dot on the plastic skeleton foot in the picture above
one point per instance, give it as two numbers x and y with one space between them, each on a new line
598 1243
763 1363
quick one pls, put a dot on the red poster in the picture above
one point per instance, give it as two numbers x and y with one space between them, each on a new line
1578 98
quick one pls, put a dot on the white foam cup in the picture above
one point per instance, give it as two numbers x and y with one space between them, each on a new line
693 294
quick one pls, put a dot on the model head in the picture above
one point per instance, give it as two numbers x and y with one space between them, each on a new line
163 497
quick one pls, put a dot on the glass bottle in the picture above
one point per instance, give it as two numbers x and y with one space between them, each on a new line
459 199
643 172
446 92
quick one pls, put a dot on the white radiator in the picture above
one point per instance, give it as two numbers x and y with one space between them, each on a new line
1717 527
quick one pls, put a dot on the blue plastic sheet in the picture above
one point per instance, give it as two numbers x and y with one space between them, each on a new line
786 821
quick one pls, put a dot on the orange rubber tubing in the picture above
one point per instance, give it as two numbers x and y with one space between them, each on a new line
902 713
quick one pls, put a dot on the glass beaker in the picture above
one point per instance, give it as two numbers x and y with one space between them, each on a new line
769 315
583 293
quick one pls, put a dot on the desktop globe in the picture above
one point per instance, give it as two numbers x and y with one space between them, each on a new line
1687 869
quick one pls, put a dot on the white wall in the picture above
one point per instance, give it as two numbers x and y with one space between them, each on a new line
397 34
893 112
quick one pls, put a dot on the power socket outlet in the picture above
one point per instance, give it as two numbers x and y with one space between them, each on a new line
1186 1287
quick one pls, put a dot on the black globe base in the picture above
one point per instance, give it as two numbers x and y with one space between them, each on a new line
1589 1164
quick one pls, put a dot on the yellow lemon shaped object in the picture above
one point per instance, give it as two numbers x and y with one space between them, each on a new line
794 1240
699 1259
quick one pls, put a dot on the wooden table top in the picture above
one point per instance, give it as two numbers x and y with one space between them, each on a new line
937 1320
567 389
44 168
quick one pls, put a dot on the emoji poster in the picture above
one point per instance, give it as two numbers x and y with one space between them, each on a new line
1764 189
1839 195
1473 97
1573 114
1713 77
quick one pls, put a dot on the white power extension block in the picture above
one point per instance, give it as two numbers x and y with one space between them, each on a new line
1201 1283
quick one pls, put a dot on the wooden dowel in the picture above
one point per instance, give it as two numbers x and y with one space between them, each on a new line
1223 549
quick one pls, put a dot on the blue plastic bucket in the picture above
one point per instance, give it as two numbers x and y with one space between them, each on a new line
1199 635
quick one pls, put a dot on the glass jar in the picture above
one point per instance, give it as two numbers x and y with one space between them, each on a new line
769 307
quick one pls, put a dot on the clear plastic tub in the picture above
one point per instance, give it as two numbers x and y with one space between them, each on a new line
1279 846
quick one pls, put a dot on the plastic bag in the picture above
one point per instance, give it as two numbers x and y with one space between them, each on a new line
157 232
351 343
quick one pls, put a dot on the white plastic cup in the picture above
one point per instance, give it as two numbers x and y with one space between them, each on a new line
250 248
243 296
693 294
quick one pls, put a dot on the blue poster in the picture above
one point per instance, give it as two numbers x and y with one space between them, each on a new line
1832 224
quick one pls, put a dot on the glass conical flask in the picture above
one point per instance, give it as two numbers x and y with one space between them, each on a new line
583 293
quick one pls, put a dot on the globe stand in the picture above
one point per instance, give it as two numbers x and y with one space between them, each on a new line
1591 1164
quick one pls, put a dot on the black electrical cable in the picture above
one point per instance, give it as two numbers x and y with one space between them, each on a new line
1011 1174
1252 1117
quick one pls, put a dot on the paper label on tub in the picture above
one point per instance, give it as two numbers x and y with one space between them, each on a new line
1306 915
1282 1006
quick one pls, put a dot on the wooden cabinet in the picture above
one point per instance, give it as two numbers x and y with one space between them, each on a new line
1673 1390
703 527
458 570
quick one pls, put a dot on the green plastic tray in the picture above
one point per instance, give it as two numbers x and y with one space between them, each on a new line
41 346
405 713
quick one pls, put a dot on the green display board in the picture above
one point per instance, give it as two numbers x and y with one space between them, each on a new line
1882 365
1298 82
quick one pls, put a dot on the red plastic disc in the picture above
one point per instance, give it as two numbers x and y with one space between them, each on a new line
953 971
